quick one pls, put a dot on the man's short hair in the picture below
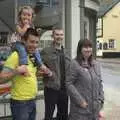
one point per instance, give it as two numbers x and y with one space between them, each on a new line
30 31
56 28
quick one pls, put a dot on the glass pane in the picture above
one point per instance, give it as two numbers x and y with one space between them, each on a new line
47 43
41 45
42 1
3 38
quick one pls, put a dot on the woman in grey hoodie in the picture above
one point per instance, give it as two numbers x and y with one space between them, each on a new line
84 85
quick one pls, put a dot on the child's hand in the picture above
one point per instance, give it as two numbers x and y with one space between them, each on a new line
26 26
101 115
22 30
26 22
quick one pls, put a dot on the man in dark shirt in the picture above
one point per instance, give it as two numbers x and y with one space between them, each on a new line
57 60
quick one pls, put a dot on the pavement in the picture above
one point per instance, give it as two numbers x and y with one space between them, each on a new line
109 60
111 81
110 73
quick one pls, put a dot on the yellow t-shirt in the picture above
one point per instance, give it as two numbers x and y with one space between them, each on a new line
23 87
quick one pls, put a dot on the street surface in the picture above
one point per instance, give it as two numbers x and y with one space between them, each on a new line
111 80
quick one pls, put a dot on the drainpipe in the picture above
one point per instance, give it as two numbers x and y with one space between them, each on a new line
82 10
16 10
68 26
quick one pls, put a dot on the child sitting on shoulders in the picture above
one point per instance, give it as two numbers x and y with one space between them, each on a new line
25 21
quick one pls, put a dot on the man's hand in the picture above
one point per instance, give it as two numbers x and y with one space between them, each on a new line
45 71
22 70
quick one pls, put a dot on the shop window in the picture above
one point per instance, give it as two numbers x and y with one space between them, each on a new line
55 2
99 45
111 43
3 38
41 45
45 43
105 46
99 27
86 32
49 3
42 1
48 43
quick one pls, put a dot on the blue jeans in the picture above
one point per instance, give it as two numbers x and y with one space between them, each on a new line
23 110
20 48
38 58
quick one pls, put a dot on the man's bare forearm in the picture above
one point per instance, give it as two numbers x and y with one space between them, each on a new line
8 73
5 76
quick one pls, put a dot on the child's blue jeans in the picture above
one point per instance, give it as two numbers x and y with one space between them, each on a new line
19 47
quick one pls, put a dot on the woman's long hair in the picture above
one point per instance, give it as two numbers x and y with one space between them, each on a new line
83 43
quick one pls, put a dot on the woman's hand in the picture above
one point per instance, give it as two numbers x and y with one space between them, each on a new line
83 104
101 115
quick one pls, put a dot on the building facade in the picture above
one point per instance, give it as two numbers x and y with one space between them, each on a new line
76 17
108 37
80 22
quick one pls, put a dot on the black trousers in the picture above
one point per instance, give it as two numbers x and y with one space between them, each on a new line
59 98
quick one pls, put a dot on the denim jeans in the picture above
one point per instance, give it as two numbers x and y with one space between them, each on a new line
23 110
19 47
38 58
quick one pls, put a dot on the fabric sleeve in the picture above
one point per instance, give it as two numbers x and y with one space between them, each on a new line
101 91
71 77
12 61
44 57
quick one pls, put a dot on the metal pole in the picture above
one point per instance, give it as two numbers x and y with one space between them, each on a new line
82 6
16 11
68 25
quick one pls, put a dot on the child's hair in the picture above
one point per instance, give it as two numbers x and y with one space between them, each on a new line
28 8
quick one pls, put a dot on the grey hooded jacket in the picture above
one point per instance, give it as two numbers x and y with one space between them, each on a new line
51 59
84 84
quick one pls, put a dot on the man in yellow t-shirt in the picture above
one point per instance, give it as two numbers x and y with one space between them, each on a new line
24 87
23 78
